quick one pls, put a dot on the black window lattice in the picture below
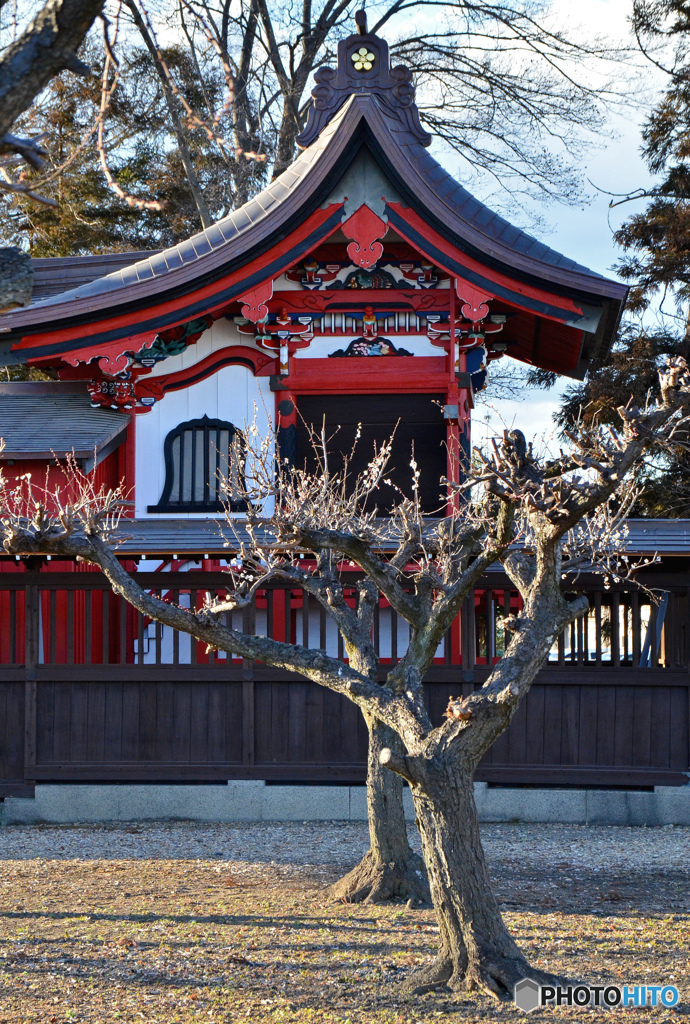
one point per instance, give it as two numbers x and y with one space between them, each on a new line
203 461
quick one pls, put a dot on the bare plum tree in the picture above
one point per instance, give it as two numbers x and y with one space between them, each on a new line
539 519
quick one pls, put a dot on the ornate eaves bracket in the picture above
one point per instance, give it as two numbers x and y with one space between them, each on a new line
474 302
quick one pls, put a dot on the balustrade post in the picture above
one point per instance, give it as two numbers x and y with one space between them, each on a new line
248 705
615 629
468 638
31 658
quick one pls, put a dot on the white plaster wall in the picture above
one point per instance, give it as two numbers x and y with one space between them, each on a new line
233 393
221 334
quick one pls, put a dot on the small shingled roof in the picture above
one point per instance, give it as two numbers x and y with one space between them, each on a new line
54 275
34 415
158 536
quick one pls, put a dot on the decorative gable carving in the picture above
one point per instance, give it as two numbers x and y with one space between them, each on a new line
363 67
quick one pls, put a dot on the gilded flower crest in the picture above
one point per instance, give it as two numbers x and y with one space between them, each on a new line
363 59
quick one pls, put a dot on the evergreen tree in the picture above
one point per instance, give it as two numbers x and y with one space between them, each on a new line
142 156
656 263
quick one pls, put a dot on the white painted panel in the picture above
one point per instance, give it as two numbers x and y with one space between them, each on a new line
321 348
233 394
313 638
220 335
281 284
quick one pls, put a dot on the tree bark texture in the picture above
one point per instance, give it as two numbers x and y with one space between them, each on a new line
390 869
47 47
476 950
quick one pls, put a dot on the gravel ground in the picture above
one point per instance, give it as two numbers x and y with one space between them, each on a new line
591 848
182 923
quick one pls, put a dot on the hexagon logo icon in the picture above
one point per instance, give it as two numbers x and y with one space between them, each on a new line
526 995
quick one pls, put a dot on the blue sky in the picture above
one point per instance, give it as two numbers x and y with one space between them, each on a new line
584 233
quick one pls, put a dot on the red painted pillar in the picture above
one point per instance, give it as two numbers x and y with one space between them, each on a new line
126 455
286 423
458 394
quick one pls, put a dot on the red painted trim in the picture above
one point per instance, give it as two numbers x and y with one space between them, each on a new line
398 300
241 355
455 645
416 222
369 374
126 465
207 292
280 607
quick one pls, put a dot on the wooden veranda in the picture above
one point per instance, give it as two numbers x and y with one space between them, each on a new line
92 691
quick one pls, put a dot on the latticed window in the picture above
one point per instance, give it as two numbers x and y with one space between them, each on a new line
204 462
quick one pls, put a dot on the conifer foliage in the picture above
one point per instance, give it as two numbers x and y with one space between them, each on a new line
656 263
89 217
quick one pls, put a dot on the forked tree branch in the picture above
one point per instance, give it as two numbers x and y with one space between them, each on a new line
48 46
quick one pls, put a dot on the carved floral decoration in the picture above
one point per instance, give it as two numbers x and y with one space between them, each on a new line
370 347
313 275
363 59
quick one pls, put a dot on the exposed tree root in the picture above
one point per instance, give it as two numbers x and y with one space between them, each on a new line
372 882
496 977
434 976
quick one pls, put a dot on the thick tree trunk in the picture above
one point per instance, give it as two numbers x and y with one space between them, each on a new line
476 950
390 869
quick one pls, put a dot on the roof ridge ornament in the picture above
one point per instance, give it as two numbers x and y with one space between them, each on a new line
363 69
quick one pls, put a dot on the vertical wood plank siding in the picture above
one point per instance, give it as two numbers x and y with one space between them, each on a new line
91 690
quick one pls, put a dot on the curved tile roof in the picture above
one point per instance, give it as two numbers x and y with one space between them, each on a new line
419 178
224 231
483 218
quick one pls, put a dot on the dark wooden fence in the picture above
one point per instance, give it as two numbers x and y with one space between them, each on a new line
90 690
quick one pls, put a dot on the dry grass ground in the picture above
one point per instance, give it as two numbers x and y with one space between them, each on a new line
176 941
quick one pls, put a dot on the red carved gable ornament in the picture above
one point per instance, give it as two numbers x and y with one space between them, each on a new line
112 359
254 306
365 227
474 303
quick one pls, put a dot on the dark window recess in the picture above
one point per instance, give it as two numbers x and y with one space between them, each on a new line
200 460
421 423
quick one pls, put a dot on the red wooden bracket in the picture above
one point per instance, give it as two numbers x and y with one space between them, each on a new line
112 359
365 227
254 306
473 301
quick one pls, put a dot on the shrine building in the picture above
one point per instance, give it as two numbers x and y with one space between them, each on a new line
364 287
364 283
